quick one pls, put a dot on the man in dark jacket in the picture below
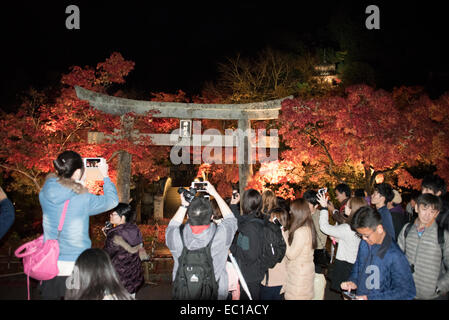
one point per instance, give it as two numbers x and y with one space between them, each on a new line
383 193
398 214
6 213
381 271
342 194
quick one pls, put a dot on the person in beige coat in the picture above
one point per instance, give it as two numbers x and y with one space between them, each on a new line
300 246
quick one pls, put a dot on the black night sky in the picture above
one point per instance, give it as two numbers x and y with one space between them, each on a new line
177 45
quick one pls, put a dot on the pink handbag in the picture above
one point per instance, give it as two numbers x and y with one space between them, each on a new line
40 259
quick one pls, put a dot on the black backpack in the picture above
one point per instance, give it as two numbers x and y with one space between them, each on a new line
273 244
195 277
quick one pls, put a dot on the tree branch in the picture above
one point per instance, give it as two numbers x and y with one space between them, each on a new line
325 153
113 155
71 133
38 187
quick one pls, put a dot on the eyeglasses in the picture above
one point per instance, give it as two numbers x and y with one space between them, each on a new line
364 236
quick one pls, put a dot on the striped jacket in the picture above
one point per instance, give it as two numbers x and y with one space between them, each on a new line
425 254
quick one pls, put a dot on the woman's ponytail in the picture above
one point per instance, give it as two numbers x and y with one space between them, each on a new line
67 163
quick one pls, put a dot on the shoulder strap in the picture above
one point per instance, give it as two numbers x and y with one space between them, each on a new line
406 231
408 227
441 239
212 239
61 221
441 243
181 229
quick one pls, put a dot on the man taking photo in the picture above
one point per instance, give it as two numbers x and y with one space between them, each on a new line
200 248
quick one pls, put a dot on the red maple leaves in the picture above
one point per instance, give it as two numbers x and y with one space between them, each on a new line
372 131
357 135
42 128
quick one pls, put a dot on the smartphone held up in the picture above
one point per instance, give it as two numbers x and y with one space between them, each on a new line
199 186
322 191
92 165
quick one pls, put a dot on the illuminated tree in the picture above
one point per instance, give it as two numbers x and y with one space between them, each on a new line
365 133
41 129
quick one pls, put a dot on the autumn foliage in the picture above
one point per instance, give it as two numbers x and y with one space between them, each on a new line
42 128
352 136
359 135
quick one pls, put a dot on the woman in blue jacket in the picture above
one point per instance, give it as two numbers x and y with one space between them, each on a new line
74 238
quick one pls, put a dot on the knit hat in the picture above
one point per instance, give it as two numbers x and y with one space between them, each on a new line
397 197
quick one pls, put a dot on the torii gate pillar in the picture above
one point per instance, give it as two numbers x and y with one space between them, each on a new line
245 166
124 174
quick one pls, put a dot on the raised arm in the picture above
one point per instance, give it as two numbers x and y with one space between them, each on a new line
107 201
224 208
338 231
229 219
325 226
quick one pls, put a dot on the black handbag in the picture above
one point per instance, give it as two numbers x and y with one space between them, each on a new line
322 258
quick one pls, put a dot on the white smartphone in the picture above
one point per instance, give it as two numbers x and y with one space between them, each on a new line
93 162
92 172
199 186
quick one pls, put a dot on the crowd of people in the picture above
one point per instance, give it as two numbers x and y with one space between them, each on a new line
384 251
112 273
252 246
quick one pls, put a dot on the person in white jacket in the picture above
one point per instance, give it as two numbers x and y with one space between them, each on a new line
348 241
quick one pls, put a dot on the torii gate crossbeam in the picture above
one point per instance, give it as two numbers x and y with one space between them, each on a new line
244 113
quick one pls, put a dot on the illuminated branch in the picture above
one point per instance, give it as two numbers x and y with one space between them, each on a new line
326 152
25 174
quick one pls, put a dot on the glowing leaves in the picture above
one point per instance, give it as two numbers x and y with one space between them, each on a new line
82 77
43 127
114 69
369 126
405 179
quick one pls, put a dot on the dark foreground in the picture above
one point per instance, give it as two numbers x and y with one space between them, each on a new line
15 288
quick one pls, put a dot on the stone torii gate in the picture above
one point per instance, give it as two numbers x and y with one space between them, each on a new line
244 113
